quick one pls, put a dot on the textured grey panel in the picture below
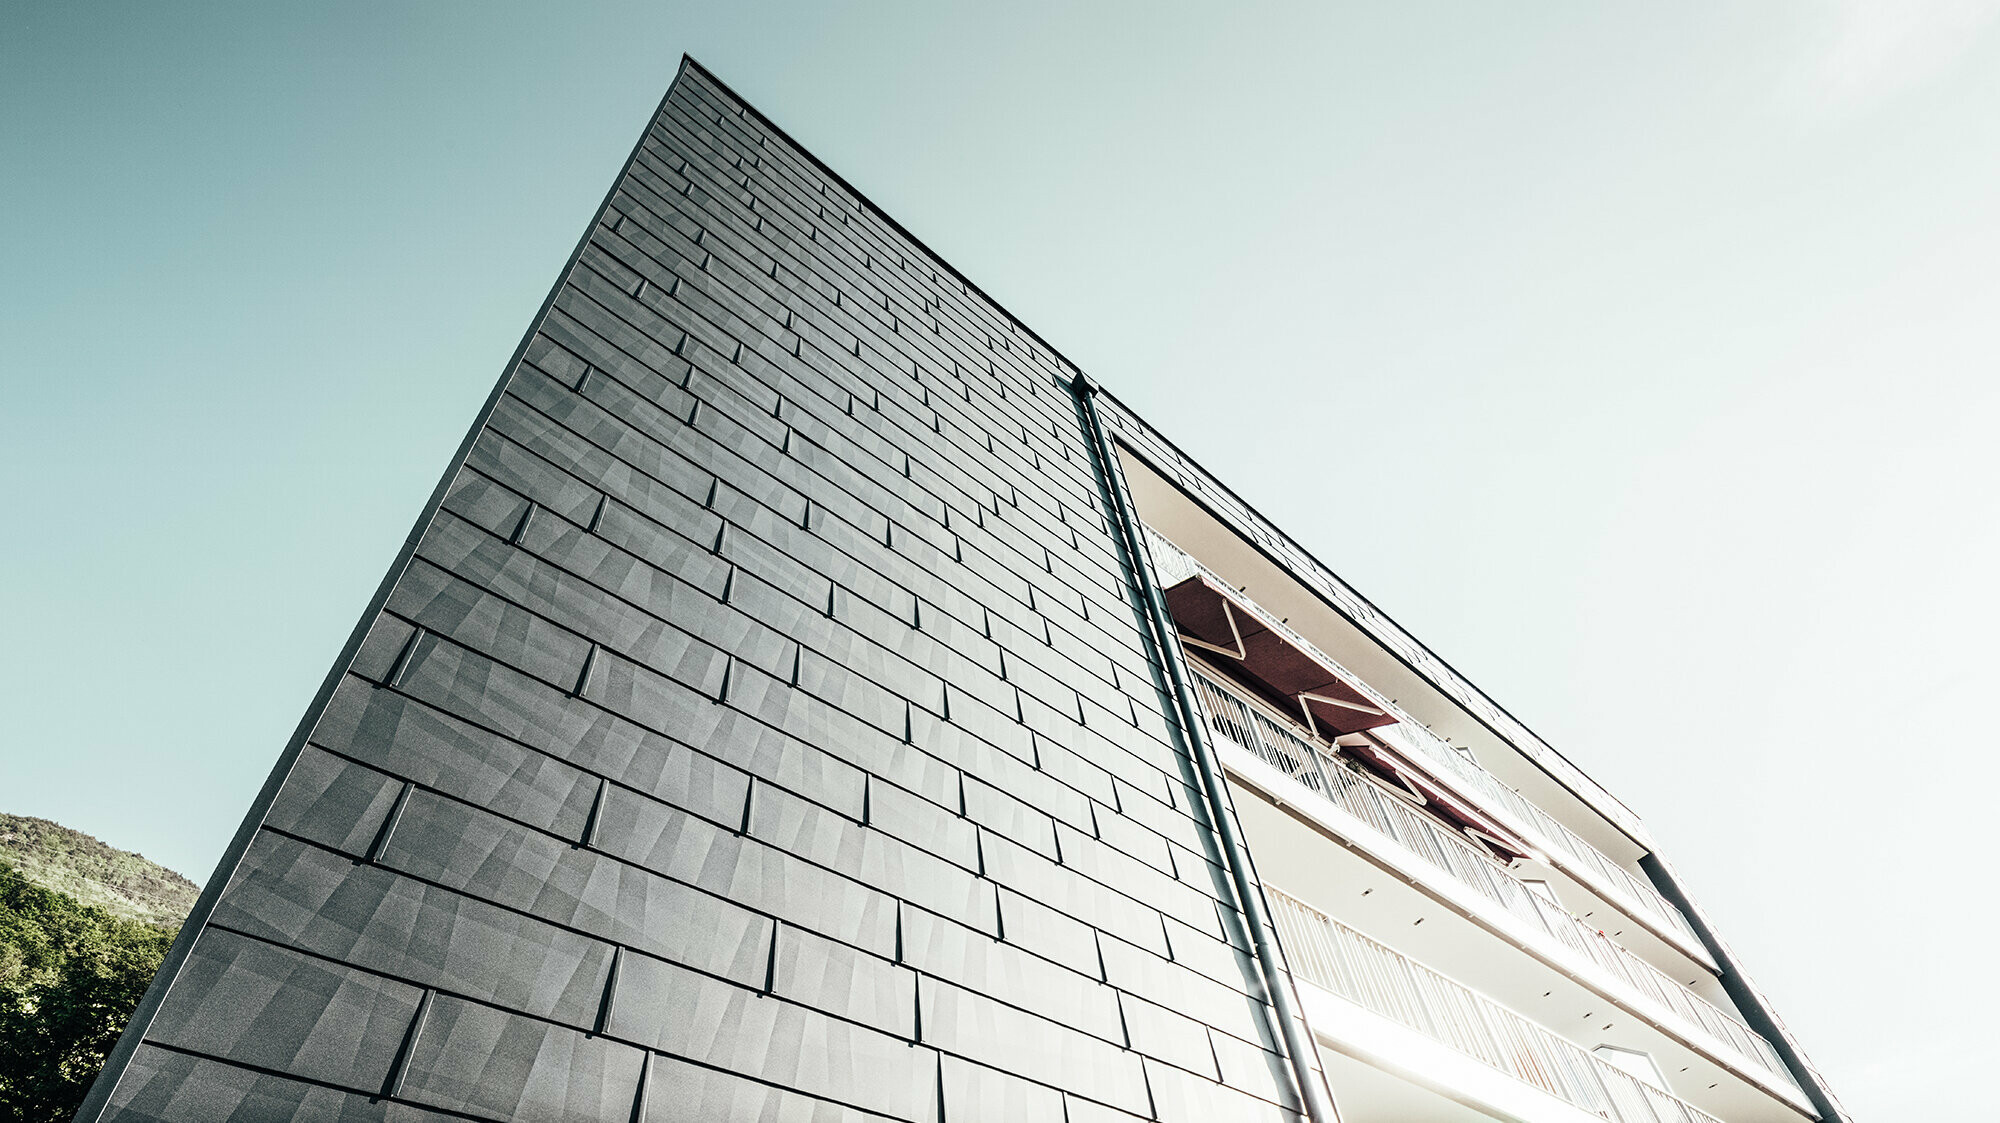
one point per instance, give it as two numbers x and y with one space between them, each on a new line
1000 771
391 732
386 649
814 971
1165 1035
292 892
1255 1070
550 571
334 802
518 464
168 1087
1128 835
730 1027
1136 879
1180 1097
977 1094
972 718
686 1093
247 1001
1175 987
700 785
924 824
486 857
1010 817
1203 952
1076 1109
874 858
971 1025
1049 933
978 962
452 607
488 1062
1037 878
811 720
460 681
1064 764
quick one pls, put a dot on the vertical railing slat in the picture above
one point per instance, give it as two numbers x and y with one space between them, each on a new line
1382 980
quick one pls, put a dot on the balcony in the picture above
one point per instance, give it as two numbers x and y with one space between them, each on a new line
1565 849
1469 864
1386 983
1175 495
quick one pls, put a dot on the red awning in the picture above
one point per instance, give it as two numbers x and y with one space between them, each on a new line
1215 618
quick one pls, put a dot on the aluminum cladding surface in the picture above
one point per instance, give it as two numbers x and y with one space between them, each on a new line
760 728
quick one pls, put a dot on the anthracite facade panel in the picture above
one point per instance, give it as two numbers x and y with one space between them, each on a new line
761 725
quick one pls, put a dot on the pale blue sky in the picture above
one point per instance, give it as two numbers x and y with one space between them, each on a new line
1658 343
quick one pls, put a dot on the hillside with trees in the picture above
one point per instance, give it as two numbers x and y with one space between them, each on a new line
70 862
83 928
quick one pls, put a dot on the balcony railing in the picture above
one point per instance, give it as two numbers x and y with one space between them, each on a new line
1556 837
1467 862
1411 736
1370 975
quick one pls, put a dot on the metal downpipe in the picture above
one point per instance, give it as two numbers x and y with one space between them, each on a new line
1313 1093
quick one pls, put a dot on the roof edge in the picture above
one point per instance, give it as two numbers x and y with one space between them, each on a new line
1064 362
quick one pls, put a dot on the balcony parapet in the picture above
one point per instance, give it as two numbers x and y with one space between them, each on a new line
1385 982
1469 865
1565 849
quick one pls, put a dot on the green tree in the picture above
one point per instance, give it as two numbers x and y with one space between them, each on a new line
70 977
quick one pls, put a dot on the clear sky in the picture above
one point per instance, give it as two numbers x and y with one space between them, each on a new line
1657 342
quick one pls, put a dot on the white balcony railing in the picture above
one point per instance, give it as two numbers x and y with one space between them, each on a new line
1411 736
1373 976
1469 863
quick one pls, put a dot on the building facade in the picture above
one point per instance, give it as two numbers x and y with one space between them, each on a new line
808 697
